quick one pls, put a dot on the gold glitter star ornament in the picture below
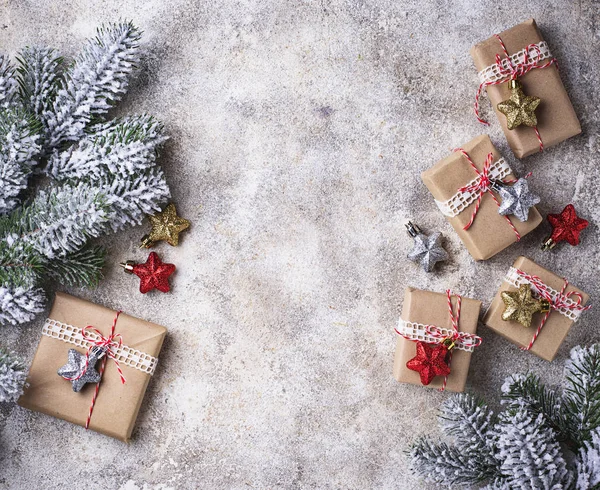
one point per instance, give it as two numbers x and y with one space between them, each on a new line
519 109
520 306
166 225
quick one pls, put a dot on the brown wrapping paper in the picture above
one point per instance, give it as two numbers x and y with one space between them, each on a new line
490 233
431 308
117 404
557 326
556 117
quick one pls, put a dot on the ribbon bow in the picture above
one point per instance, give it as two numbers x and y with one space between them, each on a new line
482 185
561 301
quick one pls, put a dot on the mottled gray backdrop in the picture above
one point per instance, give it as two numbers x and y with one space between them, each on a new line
298 132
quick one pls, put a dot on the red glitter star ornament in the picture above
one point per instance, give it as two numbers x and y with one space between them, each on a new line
430 362
154 274
566 226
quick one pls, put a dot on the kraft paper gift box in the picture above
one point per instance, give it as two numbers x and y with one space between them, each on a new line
557 325
117 404
490 233
429 308
556 118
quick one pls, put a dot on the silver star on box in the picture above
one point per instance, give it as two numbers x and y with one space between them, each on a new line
428 250
76 364
516 199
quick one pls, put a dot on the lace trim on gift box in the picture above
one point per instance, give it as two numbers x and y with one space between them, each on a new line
516 280
462 200
418 331
126 355
492 73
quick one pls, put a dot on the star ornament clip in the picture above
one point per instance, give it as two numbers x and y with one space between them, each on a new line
75 369
517 199
430 361
566 227
166 226
520 305
519 108
428 250
153 274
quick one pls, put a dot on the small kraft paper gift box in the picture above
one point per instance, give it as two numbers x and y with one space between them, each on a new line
436 337
535 308
523 84
126 349
461 185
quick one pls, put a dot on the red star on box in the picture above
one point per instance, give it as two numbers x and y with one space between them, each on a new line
153 274
566 225
429 362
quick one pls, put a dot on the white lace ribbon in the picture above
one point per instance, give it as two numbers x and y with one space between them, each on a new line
418 331
492 73
515 279
124 354
462 200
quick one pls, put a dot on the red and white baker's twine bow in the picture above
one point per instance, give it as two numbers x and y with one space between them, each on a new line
107 344
511 71
557 302
482 185
455 336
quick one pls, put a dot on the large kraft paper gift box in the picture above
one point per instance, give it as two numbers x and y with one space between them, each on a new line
556 118
117 405
558 322
429 308
490 232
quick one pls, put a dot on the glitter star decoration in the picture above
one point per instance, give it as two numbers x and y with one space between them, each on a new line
154 274
519 109
429 362
166 225
517 199
76 365
520 305
567 226
428 250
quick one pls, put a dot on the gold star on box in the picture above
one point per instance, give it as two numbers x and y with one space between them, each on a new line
520 305
519 108
166 225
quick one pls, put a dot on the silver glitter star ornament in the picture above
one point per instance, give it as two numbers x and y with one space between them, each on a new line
516 199
76 365
428 250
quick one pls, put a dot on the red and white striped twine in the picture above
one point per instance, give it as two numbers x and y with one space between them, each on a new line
482 185
107 344
561 301
512 72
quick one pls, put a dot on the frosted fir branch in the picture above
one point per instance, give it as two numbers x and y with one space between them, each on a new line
20 265
19 148
80 268
13 374
57 221
529 452
38 77
129 201
97 80
8 85
124 147
20 305
588 463
582 390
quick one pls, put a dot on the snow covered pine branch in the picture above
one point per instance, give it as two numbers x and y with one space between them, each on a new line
98 176
544 439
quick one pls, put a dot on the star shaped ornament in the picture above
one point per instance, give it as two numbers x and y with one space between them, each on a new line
430 362
520 306
166 225
519 109
566 226
154 274
517 199
75 366
427 250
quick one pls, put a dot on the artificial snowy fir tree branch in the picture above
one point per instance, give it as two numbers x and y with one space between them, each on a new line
20 305
8 85
12 376
96 81
588 463
81 268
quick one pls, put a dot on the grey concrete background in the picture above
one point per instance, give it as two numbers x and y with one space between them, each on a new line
298 132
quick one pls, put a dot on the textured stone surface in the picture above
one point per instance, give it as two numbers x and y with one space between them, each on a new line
298 132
